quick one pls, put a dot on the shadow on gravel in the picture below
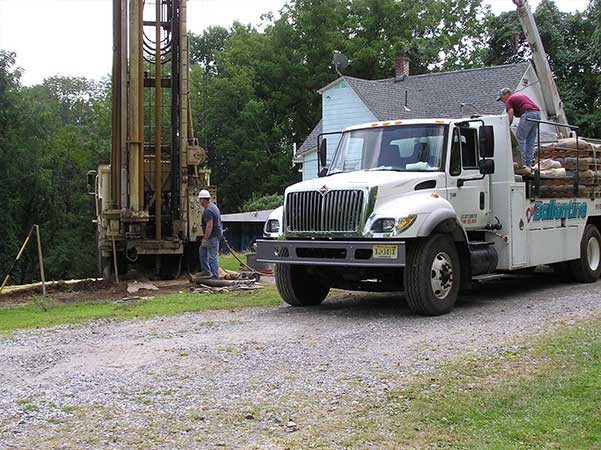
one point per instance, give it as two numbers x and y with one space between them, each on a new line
511 289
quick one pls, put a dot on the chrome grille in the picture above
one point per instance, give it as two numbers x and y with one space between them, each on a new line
335 211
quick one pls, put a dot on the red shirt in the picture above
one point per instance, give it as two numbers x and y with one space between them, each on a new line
520 104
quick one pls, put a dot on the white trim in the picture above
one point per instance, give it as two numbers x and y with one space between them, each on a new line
337 80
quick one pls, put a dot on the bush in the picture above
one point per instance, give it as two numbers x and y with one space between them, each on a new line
262 202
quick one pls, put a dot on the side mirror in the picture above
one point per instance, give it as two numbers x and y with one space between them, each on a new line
323 153
487 141
486 166
323 172
91 182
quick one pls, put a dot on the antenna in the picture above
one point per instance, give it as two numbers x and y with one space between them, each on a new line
405 107
340 62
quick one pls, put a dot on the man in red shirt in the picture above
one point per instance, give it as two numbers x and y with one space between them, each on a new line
522 106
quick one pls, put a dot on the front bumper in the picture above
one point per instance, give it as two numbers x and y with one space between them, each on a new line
329 253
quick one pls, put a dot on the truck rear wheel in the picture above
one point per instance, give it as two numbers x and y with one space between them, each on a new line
298 287
432 275
587 268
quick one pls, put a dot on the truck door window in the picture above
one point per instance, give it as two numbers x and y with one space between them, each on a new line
469 151
455 168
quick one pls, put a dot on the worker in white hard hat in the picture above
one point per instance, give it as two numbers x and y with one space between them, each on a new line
212 232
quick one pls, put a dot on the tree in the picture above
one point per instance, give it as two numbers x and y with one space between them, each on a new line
204 47
50 135
10 119
259 202
248 147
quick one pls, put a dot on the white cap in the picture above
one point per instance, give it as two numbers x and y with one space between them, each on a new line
204 194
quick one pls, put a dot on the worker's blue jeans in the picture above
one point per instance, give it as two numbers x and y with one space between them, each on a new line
209 261
526 134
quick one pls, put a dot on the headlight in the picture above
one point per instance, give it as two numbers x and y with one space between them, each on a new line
405 222
383 226
272 226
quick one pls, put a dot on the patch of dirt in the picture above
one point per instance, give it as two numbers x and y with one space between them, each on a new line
92 289
85 290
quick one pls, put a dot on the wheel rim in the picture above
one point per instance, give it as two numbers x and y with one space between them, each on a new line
593 253
441 275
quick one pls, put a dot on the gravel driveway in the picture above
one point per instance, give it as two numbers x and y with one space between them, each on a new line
252 377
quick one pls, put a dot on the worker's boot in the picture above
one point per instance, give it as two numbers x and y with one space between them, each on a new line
524 171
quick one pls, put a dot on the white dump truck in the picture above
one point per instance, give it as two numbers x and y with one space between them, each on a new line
427 205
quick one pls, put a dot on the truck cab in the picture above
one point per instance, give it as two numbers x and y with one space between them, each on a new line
422 206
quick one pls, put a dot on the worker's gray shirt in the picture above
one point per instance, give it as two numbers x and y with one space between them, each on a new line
212 212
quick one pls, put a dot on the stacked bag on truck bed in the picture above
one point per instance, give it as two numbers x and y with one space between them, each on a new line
568 166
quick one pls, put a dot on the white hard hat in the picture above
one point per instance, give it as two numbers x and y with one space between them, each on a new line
204 194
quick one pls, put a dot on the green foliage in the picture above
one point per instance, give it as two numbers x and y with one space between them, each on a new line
262 202
203 47
55 133
10 129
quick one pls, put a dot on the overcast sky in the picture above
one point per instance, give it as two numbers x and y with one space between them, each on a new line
74 37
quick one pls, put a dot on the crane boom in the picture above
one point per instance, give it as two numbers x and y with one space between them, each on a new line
552 101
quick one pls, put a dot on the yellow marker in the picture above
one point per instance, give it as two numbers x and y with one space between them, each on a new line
16 259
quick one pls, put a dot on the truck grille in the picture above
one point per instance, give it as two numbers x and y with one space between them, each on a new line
334 211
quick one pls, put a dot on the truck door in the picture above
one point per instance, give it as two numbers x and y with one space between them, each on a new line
469 195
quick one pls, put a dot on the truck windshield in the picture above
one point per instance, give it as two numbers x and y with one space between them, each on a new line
410 148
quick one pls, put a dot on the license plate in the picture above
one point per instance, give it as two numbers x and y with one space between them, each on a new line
385 251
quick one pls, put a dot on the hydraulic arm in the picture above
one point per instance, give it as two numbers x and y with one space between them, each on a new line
552 101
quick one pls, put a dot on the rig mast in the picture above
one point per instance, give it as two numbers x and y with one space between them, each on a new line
146 198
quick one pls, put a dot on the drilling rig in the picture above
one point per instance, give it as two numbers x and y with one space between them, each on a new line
147 213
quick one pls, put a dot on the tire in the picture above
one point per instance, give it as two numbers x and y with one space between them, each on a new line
587 268
432 275
297 287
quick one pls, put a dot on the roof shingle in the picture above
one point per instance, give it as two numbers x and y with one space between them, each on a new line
438 94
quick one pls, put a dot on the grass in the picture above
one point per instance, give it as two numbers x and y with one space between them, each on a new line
229 262
546 396
32 316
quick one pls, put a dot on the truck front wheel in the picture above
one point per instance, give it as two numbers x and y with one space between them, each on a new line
432 275
587 268
298 287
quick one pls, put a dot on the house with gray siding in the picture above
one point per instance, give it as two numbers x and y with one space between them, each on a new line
350 101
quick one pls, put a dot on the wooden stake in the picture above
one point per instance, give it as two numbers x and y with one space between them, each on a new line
41 260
